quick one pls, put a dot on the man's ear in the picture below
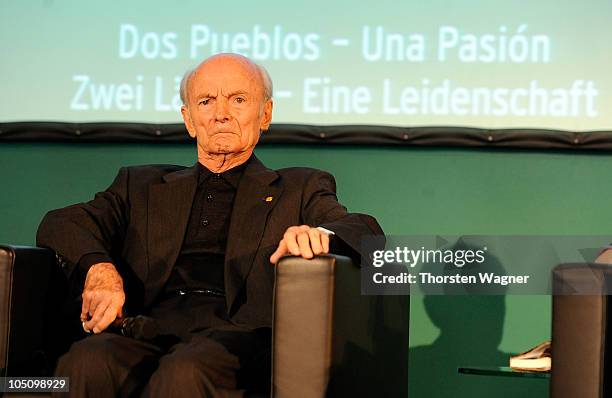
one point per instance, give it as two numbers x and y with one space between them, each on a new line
188 121
267 115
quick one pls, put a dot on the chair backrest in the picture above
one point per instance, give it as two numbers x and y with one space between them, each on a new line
581 357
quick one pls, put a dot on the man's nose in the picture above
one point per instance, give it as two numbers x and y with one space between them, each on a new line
222 111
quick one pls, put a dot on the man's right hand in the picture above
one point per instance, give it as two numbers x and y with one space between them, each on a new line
103 297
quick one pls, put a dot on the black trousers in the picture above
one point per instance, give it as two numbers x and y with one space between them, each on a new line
202 355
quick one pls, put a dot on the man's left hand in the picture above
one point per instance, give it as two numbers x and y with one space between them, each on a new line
304 241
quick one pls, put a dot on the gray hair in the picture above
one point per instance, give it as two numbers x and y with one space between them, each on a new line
266 81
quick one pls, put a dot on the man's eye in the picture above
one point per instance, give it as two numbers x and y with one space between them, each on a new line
204 101
240 100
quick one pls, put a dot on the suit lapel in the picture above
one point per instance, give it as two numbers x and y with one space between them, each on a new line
254 200
168 213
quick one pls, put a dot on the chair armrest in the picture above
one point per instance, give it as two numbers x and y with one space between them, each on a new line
581 350
25 273
329 340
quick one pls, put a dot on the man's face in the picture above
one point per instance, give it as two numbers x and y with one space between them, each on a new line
226 109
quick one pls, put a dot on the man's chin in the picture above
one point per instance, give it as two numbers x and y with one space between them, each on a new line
225 146
223 151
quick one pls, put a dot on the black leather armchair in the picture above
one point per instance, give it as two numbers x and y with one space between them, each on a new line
328 339
582 331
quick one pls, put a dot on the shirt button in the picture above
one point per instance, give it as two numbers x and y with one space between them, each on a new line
209 198
205 223
216 177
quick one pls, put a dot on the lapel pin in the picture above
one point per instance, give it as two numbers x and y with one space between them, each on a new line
268 198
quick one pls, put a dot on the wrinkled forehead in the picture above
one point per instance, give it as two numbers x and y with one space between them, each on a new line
226 75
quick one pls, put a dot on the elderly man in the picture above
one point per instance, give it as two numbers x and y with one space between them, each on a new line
193 249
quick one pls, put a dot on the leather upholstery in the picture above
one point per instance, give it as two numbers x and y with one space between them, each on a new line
580 332
30 285
329 340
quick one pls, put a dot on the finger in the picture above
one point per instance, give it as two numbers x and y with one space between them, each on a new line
291 241
109 316
102 303
281 250
304 243
325 242
98 314
85 307
96 300
315 240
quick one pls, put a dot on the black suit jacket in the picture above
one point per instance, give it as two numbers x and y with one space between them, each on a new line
141 219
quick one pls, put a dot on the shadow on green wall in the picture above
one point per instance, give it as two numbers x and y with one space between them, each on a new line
471 329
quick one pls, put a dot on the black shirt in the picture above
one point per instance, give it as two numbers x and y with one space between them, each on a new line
200 261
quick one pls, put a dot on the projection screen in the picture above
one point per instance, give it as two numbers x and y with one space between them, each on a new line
471 63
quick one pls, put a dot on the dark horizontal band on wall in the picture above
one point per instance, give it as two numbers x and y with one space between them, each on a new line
311 134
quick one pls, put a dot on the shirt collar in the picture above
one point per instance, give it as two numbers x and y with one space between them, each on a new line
231 176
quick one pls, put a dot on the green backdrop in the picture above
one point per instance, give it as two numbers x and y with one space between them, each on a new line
410 191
